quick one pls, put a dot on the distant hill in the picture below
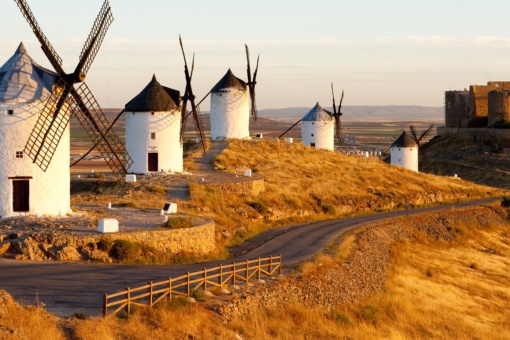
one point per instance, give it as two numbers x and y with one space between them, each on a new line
365 113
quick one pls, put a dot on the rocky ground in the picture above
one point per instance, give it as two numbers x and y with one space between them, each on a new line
361 275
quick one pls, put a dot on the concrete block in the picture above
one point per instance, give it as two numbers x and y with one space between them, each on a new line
170 208
247 173
130 178
108 225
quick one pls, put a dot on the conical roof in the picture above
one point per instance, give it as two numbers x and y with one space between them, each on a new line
154 97
404 141
317 113
22 80
229 82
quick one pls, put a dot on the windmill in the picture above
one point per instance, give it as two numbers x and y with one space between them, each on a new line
419 139
66 99
336 115
190 97
252 82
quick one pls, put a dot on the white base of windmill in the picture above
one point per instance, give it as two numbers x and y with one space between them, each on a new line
230 115
48 192
318 134
406 157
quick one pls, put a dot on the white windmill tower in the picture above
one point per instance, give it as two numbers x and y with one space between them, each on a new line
318 129
153 128
404 152
232 101
25 188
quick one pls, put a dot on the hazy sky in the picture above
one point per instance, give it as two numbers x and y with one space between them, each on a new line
380 52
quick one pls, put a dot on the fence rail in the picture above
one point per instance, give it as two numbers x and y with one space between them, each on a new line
184 285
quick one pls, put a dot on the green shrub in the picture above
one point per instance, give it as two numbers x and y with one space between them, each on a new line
124 250
178 223
369 313
259 206
105 243
199 295
339 317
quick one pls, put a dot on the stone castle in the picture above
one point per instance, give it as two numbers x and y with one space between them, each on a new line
481 106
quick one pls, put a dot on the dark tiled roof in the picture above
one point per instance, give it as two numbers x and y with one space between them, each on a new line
154 97
404 141
229 82
317 113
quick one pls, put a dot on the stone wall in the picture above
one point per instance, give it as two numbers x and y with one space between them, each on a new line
499 107
498 137
456 108
252 187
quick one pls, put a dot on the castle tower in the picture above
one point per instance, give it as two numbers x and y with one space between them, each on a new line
499 107
153 125
404 152
318 129
24 187
230 108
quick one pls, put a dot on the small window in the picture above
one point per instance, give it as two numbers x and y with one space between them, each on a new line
152 113
19 154
153 135
10 112
312 134
312 145
449 104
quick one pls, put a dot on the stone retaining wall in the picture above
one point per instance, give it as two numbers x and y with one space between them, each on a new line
252 188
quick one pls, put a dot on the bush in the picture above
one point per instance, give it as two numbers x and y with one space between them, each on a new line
124 250
339 317
178 223
198 294
369 313
105 244
505 203
259 206
328 209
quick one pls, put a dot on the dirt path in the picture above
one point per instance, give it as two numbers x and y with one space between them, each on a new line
204 173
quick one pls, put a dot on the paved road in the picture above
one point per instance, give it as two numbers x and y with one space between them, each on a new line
66 288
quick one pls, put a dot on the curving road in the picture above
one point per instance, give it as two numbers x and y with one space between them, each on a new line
66 288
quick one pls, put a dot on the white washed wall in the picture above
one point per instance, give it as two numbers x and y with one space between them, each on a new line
322 133
230 115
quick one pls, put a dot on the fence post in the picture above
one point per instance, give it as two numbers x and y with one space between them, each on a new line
259 269
188 286
234 272
169 288
247 265
221 276
150 294
128 298
270 271
205 279
105 303
280 266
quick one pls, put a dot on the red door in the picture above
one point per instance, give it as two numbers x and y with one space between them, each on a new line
20 195
153 162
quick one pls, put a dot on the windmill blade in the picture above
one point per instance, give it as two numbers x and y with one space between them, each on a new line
192 67
50 126
248 69
415 135
95 39
94 122
283 134
184 118
189 96
338 129
256 71
253 103
424 134
334 104
46 46
340 105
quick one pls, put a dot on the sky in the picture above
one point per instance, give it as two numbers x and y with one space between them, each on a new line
380 52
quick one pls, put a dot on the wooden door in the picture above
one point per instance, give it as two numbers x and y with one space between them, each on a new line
20 195
153 162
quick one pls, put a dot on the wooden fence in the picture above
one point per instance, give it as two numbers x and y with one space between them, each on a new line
184 285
